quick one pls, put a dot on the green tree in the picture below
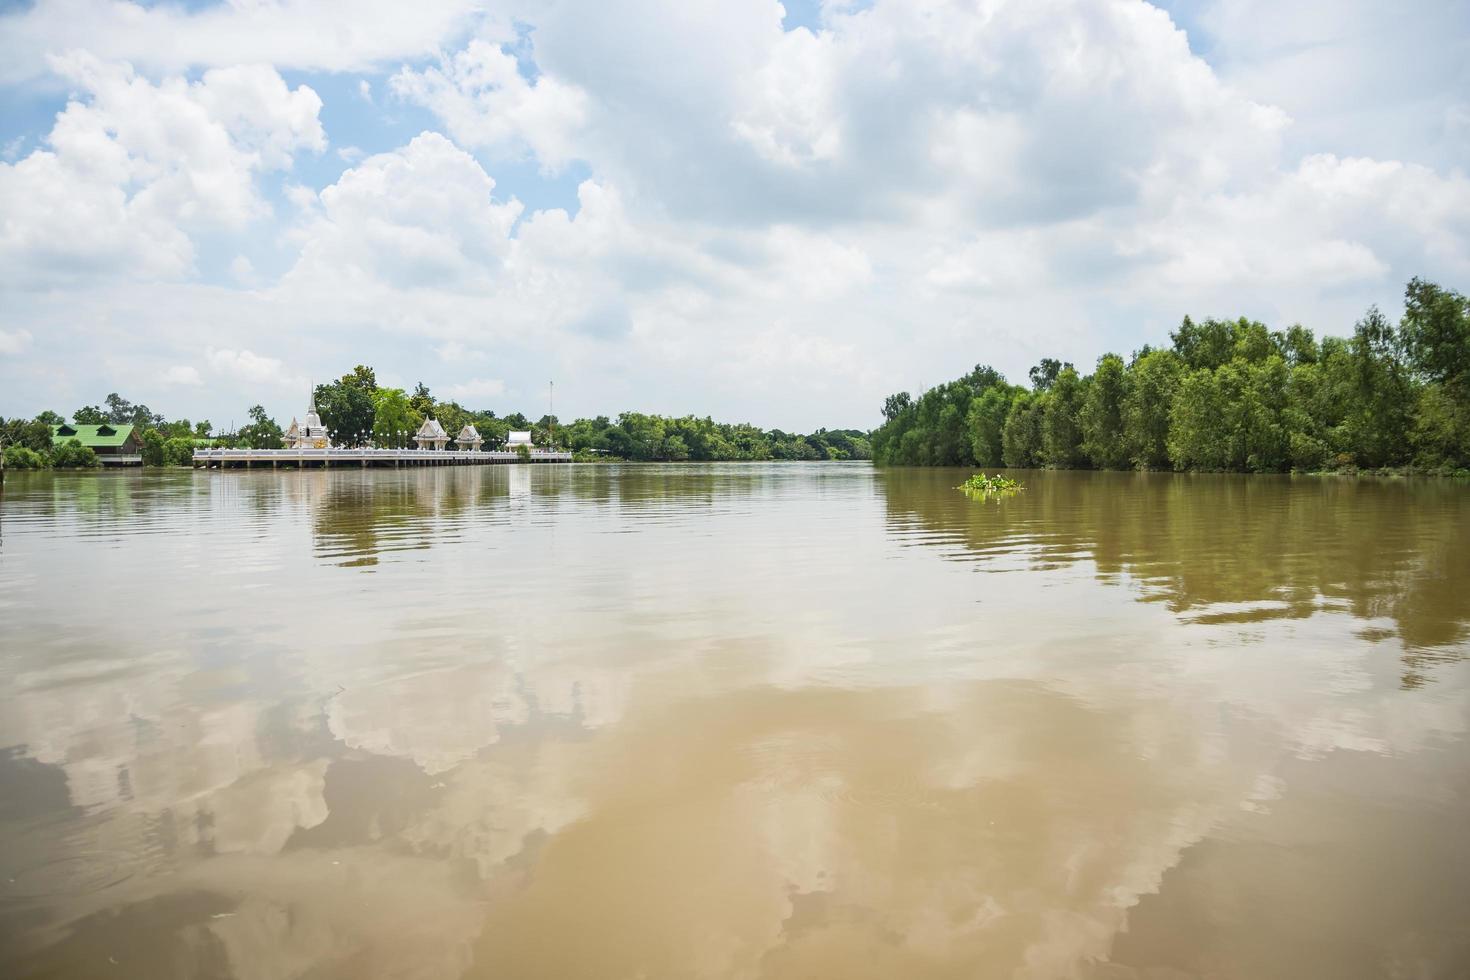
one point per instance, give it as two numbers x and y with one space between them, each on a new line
1227 395
1306 433
1436 338
1252 342
935 429
262 432
454 416
1045 374
89 415
346 410
34 434
1382 396
1061 427
178 451
987 422
422 401
49 417
1436 332
24 458
1152 381
1260 415
1104 435
1021 443
1298 346
120 411
73 455
362 378
153 448
394 420
1209 344
1441 433
896 405
1199 436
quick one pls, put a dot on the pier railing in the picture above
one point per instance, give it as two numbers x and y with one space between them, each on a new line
221 458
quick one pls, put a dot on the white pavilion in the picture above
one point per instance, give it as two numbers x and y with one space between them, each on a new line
310 434
517 439
469 439
431 435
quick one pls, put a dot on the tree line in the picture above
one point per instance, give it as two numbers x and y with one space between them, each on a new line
356 411
1226 395
28 442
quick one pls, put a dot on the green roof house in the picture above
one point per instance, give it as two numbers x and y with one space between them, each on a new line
111 443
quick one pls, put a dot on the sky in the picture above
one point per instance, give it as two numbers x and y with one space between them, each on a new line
764 213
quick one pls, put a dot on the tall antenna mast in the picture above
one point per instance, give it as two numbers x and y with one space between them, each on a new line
551 414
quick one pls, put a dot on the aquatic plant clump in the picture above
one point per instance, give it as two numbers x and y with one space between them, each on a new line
989 485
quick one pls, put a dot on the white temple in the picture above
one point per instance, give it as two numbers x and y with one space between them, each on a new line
431 435
310 434
469 439
515 439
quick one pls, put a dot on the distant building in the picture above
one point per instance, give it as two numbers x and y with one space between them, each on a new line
469 439
109 442
431 435
518 439
310 434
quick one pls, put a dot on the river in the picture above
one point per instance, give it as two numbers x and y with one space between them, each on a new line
737 720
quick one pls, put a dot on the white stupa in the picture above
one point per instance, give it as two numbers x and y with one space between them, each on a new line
310 434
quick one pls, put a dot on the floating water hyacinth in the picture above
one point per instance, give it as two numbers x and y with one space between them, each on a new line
989 486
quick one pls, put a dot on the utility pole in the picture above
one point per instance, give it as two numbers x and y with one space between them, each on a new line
551 415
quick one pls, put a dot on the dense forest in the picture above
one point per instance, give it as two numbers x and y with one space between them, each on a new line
357 411
1224 395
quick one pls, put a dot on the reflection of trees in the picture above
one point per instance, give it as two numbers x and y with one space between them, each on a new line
1221 548
357 516
116 503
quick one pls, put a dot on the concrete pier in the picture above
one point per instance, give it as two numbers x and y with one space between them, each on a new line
302 458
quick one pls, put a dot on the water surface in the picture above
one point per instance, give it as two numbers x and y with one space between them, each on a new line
748 721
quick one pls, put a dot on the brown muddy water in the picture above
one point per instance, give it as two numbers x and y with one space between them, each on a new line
744 721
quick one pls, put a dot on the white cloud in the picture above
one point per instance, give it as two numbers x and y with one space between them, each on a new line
327 35
454 352
419 217
1358 77
877 203
14 341
242 270
484 101
131 168
254 369
181 374
475 389
790 116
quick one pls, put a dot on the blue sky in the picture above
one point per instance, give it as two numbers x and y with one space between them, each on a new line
776 214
